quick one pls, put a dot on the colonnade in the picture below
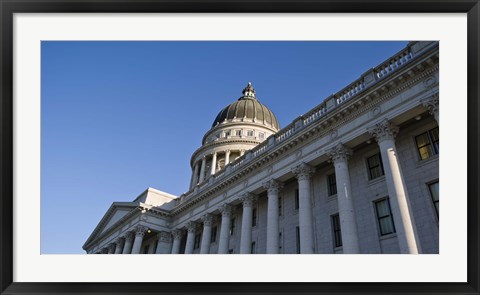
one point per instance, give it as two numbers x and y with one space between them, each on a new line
384 133
199 169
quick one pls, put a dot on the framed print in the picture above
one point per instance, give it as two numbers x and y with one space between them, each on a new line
325 142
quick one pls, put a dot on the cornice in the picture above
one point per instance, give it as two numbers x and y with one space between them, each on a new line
219 143
231 124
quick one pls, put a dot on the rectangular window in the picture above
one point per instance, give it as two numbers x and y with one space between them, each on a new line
337 231
434 194
297 200
375 166
332 184
213 237
384 215
261 135
280 206
253 249
227 133
280 242
250 132
232 226
254 217
196 243
297 238
427 144
239 132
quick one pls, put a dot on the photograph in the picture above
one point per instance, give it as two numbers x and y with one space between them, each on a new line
240 147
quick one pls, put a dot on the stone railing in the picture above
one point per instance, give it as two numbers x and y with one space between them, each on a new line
285 133
393 63
351 90
332 102
314 114
260 149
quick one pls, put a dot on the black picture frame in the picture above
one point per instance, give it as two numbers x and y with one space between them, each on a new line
9 7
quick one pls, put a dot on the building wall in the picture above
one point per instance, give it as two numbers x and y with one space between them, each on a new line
417 175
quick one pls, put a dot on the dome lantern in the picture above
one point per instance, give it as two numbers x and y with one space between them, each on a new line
249 91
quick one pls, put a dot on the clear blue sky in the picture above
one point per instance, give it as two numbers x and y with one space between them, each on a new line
118 117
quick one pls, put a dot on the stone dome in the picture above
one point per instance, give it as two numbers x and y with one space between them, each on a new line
247 109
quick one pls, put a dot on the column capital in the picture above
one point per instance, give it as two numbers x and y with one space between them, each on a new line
119 240
140 230
383 130
431 103
165 236
111 247
248 199
207 219
273 185
339 153
129 235
227 210
303 171
191 226
177 234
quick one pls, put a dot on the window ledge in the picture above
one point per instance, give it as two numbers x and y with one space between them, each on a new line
376 180
332 198
388 236
427 161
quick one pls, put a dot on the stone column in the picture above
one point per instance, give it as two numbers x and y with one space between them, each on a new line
225 229
431 103
385 133
202 169
177 239
137 243
191 229
119 242
164 242
303 173
111 248
340 155
127 248
273 241
151 249
207 233
227 157
214 163
194 176
248 200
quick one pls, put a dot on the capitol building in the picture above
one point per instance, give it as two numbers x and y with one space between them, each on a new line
358 173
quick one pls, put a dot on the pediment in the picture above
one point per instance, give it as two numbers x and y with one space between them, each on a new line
115 213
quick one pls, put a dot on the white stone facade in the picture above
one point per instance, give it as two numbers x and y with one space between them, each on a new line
357 174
